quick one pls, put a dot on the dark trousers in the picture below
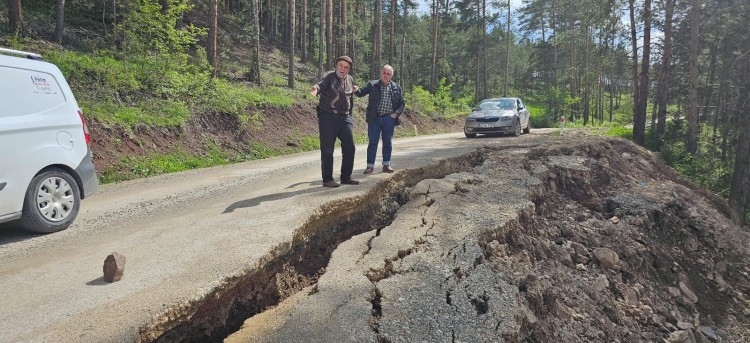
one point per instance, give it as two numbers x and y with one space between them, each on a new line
380 126
333 126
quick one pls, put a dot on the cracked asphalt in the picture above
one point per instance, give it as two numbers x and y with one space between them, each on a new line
184 235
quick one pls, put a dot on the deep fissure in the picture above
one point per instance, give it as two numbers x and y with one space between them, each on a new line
291 267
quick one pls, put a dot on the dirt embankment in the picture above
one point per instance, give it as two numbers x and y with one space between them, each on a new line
269 130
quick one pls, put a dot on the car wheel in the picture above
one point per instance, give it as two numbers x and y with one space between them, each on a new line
51 203
469 135
517 128
528 127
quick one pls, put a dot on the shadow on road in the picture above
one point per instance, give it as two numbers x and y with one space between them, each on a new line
10 233
98 282
316 187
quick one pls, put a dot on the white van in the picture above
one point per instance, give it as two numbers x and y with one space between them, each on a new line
45 158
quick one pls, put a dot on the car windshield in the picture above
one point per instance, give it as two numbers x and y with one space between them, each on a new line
502 104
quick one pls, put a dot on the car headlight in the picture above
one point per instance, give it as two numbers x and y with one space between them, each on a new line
470 120
506 118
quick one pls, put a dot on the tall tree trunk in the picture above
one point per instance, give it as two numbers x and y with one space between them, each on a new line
666 57
254 75
329 33
435 28
634 46
739 194
692 114
553 27
15 18
478 62
586 83
60 22
639 123
377 39
344 27
303 33
321 36
507 53
484 50
405 79
290 26
392 33
573 73
213 37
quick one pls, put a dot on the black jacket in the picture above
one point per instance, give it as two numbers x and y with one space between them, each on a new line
373 89
335 96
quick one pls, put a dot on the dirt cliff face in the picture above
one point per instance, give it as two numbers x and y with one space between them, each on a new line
620 248
537 239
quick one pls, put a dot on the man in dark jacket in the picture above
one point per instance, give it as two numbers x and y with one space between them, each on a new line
384 106
335 120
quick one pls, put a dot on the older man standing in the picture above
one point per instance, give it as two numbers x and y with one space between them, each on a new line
384 106
335 120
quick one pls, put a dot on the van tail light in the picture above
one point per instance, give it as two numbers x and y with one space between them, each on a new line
85 127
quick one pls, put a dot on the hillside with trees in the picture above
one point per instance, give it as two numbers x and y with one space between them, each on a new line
673 76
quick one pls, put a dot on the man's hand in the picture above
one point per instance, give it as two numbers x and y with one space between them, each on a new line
355 88
314 91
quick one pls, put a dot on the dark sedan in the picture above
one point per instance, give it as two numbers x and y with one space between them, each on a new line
498 115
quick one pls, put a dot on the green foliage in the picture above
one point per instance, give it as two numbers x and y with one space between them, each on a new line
155 112
441 104
226 97
151 28
260 151
156 164
420 101
707 167
619 131
278 96
304 141
538 115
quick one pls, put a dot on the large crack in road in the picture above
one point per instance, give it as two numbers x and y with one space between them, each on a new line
291 267
567 240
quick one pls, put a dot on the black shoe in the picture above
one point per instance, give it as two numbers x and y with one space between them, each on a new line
350 182
330 184
388 169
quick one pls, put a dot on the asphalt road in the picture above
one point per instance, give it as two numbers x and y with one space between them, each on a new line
180 233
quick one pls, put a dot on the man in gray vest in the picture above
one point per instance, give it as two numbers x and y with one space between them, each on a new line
335 120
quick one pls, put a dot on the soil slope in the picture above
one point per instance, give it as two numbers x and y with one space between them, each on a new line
276 131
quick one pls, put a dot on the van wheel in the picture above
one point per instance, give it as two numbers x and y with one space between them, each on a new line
51 203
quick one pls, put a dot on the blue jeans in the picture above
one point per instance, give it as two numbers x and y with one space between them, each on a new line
377 127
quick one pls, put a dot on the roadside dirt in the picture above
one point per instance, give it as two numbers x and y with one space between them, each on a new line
276 130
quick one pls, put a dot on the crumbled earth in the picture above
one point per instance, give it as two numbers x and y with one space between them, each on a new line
563 239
